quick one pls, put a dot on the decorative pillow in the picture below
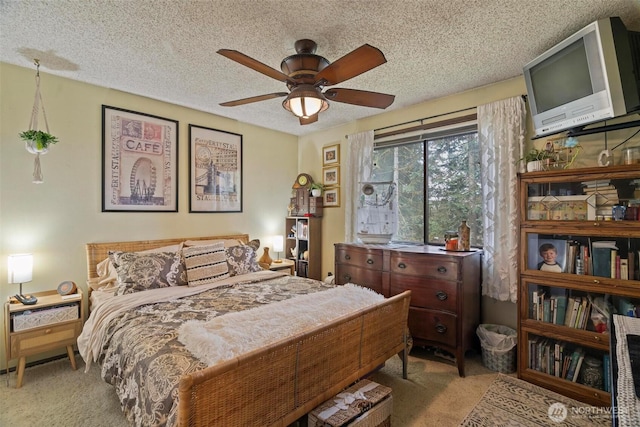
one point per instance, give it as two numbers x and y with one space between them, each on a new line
227 242
206 264
142 271
108 276
242 258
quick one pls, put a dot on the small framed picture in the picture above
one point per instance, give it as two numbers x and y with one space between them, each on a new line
331 155
331 198
546 254
331 175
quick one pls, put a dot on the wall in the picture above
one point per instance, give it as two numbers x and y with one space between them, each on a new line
493 311
55 219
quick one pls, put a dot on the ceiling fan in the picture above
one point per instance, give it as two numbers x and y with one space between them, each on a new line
306 75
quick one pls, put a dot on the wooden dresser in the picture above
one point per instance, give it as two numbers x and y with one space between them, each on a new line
445 289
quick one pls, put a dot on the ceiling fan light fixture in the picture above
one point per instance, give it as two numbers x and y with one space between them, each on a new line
305 101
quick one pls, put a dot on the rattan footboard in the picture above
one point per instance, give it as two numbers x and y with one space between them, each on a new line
278 384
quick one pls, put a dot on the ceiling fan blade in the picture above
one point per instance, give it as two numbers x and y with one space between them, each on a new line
360 97
309 120
253 99
364 58
254 64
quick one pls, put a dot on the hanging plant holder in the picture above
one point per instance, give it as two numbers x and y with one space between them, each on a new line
36 141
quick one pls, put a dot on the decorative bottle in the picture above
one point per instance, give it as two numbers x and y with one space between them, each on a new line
464 234
265 260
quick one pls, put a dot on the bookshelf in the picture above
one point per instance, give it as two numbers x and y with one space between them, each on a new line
304 236
579 264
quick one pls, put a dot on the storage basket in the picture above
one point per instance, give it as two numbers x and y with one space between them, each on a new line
370 405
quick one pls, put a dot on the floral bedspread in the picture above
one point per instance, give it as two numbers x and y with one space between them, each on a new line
144 360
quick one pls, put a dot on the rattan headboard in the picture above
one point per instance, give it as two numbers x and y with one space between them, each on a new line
96 252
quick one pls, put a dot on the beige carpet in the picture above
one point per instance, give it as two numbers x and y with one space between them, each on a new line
513 402
54 395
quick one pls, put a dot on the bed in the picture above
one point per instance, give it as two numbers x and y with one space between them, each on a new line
275 383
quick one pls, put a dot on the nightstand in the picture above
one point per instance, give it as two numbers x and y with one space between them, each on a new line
53 322
284 265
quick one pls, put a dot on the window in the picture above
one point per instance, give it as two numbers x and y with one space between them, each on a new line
438 181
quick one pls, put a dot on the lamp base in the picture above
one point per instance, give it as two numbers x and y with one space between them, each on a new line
277 261
26 299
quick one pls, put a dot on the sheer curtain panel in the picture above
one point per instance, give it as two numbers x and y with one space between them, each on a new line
359 164
501 132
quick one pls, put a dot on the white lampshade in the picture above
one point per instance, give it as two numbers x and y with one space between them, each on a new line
278 243
20 268
305 101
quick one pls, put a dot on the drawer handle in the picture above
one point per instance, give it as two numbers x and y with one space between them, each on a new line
47 331
442 269
596 281
597 338
442 296
347 278
347 256
369 261
440 328
402 265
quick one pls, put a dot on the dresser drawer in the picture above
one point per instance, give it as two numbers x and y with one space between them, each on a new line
359 257
433 325
434 294
44 339
424 265
371 279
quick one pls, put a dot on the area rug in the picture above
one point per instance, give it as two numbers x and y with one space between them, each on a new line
513 402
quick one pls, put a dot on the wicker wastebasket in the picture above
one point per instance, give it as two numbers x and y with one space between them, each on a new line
498 345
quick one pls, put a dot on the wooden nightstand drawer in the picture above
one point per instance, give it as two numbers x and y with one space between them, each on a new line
45 339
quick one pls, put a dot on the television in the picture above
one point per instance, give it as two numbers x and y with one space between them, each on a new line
591 76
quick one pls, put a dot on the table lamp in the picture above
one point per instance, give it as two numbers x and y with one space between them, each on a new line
278 246
20 270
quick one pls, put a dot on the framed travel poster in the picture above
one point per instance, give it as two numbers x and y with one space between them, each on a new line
139 162
215 170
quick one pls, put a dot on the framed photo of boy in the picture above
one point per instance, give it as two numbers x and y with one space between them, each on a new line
215 170
331 155
546 254
139 162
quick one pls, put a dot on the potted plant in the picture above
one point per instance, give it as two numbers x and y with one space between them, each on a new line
316 189
536 160
37 141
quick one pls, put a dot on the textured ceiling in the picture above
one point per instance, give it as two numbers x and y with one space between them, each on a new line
166 50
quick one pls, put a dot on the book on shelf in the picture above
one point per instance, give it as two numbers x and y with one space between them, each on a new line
578 366
601 253
573 369
596 183
575 306
615 264
606 366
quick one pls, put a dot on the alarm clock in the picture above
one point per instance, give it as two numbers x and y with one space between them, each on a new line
67 288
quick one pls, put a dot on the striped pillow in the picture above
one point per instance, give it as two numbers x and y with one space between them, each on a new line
205 264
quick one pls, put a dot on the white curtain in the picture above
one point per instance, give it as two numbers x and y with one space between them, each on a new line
501 130
358 168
